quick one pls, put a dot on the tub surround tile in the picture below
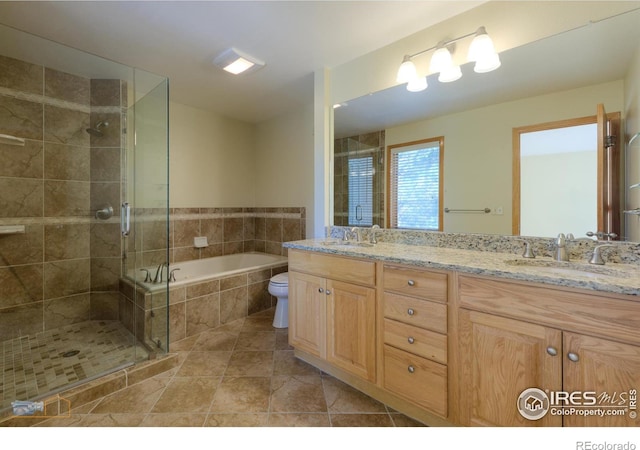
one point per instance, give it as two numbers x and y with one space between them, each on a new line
231 248
203 313
259 298
103 194
200 289
212 229
185 254
233 282
177 322
233 229
184 231
65 86
273 230
233 304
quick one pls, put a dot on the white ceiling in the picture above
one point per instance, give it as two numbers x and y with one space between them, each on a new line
178 39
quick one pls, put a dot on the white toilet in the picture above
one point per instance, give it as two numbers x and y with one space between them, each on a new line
279 287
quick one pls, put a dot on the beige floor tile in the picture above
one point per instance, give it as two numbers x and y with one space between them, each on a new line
301 393
361 420
189 395
216 341
183 344
250 364
400 420
174 420
204 364
256 340
111 420
237 420
285 363
342 398
138 398
254 323
242 394
282 340
298 420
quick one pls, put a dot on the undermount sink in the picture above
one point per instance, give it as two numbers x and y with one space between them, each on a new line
347 243
571 268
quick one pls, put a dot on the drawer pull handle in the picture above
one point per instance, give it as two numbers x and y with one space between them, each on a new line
410 311
320 290
411 283
552 351
573 357
328 292
411 369
411 340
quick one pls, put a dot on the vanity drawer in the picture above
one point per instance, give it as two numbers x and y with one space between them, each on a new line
416 312
416 379
334 267
417 283
415 340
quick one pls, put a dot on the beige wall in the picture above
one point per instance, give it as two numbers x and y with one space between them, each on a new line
478 149
632 126
212 159
284 161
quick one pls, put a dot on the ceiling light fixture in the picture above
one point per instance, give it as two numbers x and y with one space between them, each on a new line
481 51
236 62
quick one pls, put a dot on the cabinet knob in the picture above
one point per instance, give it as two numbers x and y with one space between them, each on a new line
552 351
410 311
573 357
328 292
320 290
411 340
411 283
411 369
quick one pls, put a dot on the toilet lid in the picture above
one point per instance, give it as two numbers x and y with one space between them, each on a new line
280 279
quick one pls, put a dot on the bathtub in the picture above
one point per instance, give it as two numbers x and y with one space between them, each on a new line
210 268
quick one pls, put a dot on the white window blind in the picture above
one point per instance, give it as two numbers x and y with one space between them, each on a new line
361 191
415 186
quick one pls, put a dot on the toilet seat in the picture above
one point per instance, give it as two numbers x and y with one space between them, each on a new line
282 279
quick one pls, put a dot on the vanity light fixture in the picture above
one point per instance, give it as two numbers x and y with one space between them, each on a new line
236 62
481 51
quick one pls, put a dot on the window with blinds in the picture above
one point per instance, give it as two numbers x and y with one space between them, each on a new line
361 191
415 184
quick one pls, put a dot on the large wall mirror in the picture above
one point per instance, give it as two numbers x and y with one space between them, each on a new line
557 78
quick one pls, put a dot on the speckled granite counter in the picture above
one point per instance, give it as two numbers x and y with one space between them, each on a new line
613 278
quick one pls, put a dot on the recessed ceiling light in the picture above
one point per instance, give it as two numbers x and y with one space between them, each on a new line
236 62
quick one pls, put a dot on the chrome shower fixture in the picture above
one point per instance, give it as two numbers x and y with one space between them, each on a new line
96 130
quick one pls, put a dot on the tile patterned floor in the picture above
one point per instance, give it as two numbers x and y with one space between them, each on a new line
241 374
33 366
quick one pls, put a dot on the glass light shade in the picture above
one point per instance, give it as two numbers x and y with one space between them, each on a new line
487 64
441 60
481 46
407 71
417 84
453 73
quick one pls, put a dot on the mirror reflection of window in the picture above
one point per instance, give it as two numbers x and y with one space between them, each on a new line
415 184
558 192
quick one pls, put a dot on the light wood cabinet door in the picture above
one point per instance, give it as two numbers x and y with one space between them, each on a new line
351 328
500 358
307 313
607 368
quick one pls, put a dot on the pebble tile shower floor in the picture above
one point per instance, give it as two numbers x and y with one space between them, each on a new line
35 365
238 375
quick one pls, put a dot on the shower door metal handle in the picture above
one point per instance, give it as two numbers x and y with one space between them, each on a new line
125 219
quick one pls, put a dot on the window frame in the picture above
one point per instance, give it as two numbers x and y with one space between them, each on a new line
392 221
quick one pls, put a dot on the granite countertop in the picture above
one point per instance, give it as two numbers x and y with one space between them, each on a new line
613 278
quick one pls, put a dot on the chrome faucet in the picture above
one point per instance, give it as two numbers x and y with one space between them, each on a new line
158 277
356 232
596 257
528 251
561 248
372 238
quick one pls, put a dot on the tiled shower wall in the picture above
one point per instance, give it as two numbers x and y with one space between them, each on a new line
65 267
228 231
354 146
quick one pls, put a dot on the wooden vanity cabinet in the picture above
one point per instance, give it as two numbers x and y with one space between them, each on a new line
415 336
514 336
332 306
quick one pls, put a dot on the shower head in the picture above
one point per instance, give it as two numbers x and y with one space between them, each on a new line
96 130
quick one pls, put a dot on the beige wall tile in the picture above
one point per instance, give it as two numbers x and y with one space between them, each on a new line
66 162
233 282
273 229
233 304
105 92
212 229
105 273
203 313
64 278
65 311
66 126
22 162
21 321
211 251
184 231
103 194
21 197
20 75
66 241
20 118
66 198
65 86
105 164
185 254
233 229
24 248
20 284
104 305
105 240
200 289
231 248
291 230
259 298
111 134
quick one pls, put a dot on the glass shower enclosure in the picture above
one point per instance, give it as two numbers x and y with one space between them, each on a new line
83 178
